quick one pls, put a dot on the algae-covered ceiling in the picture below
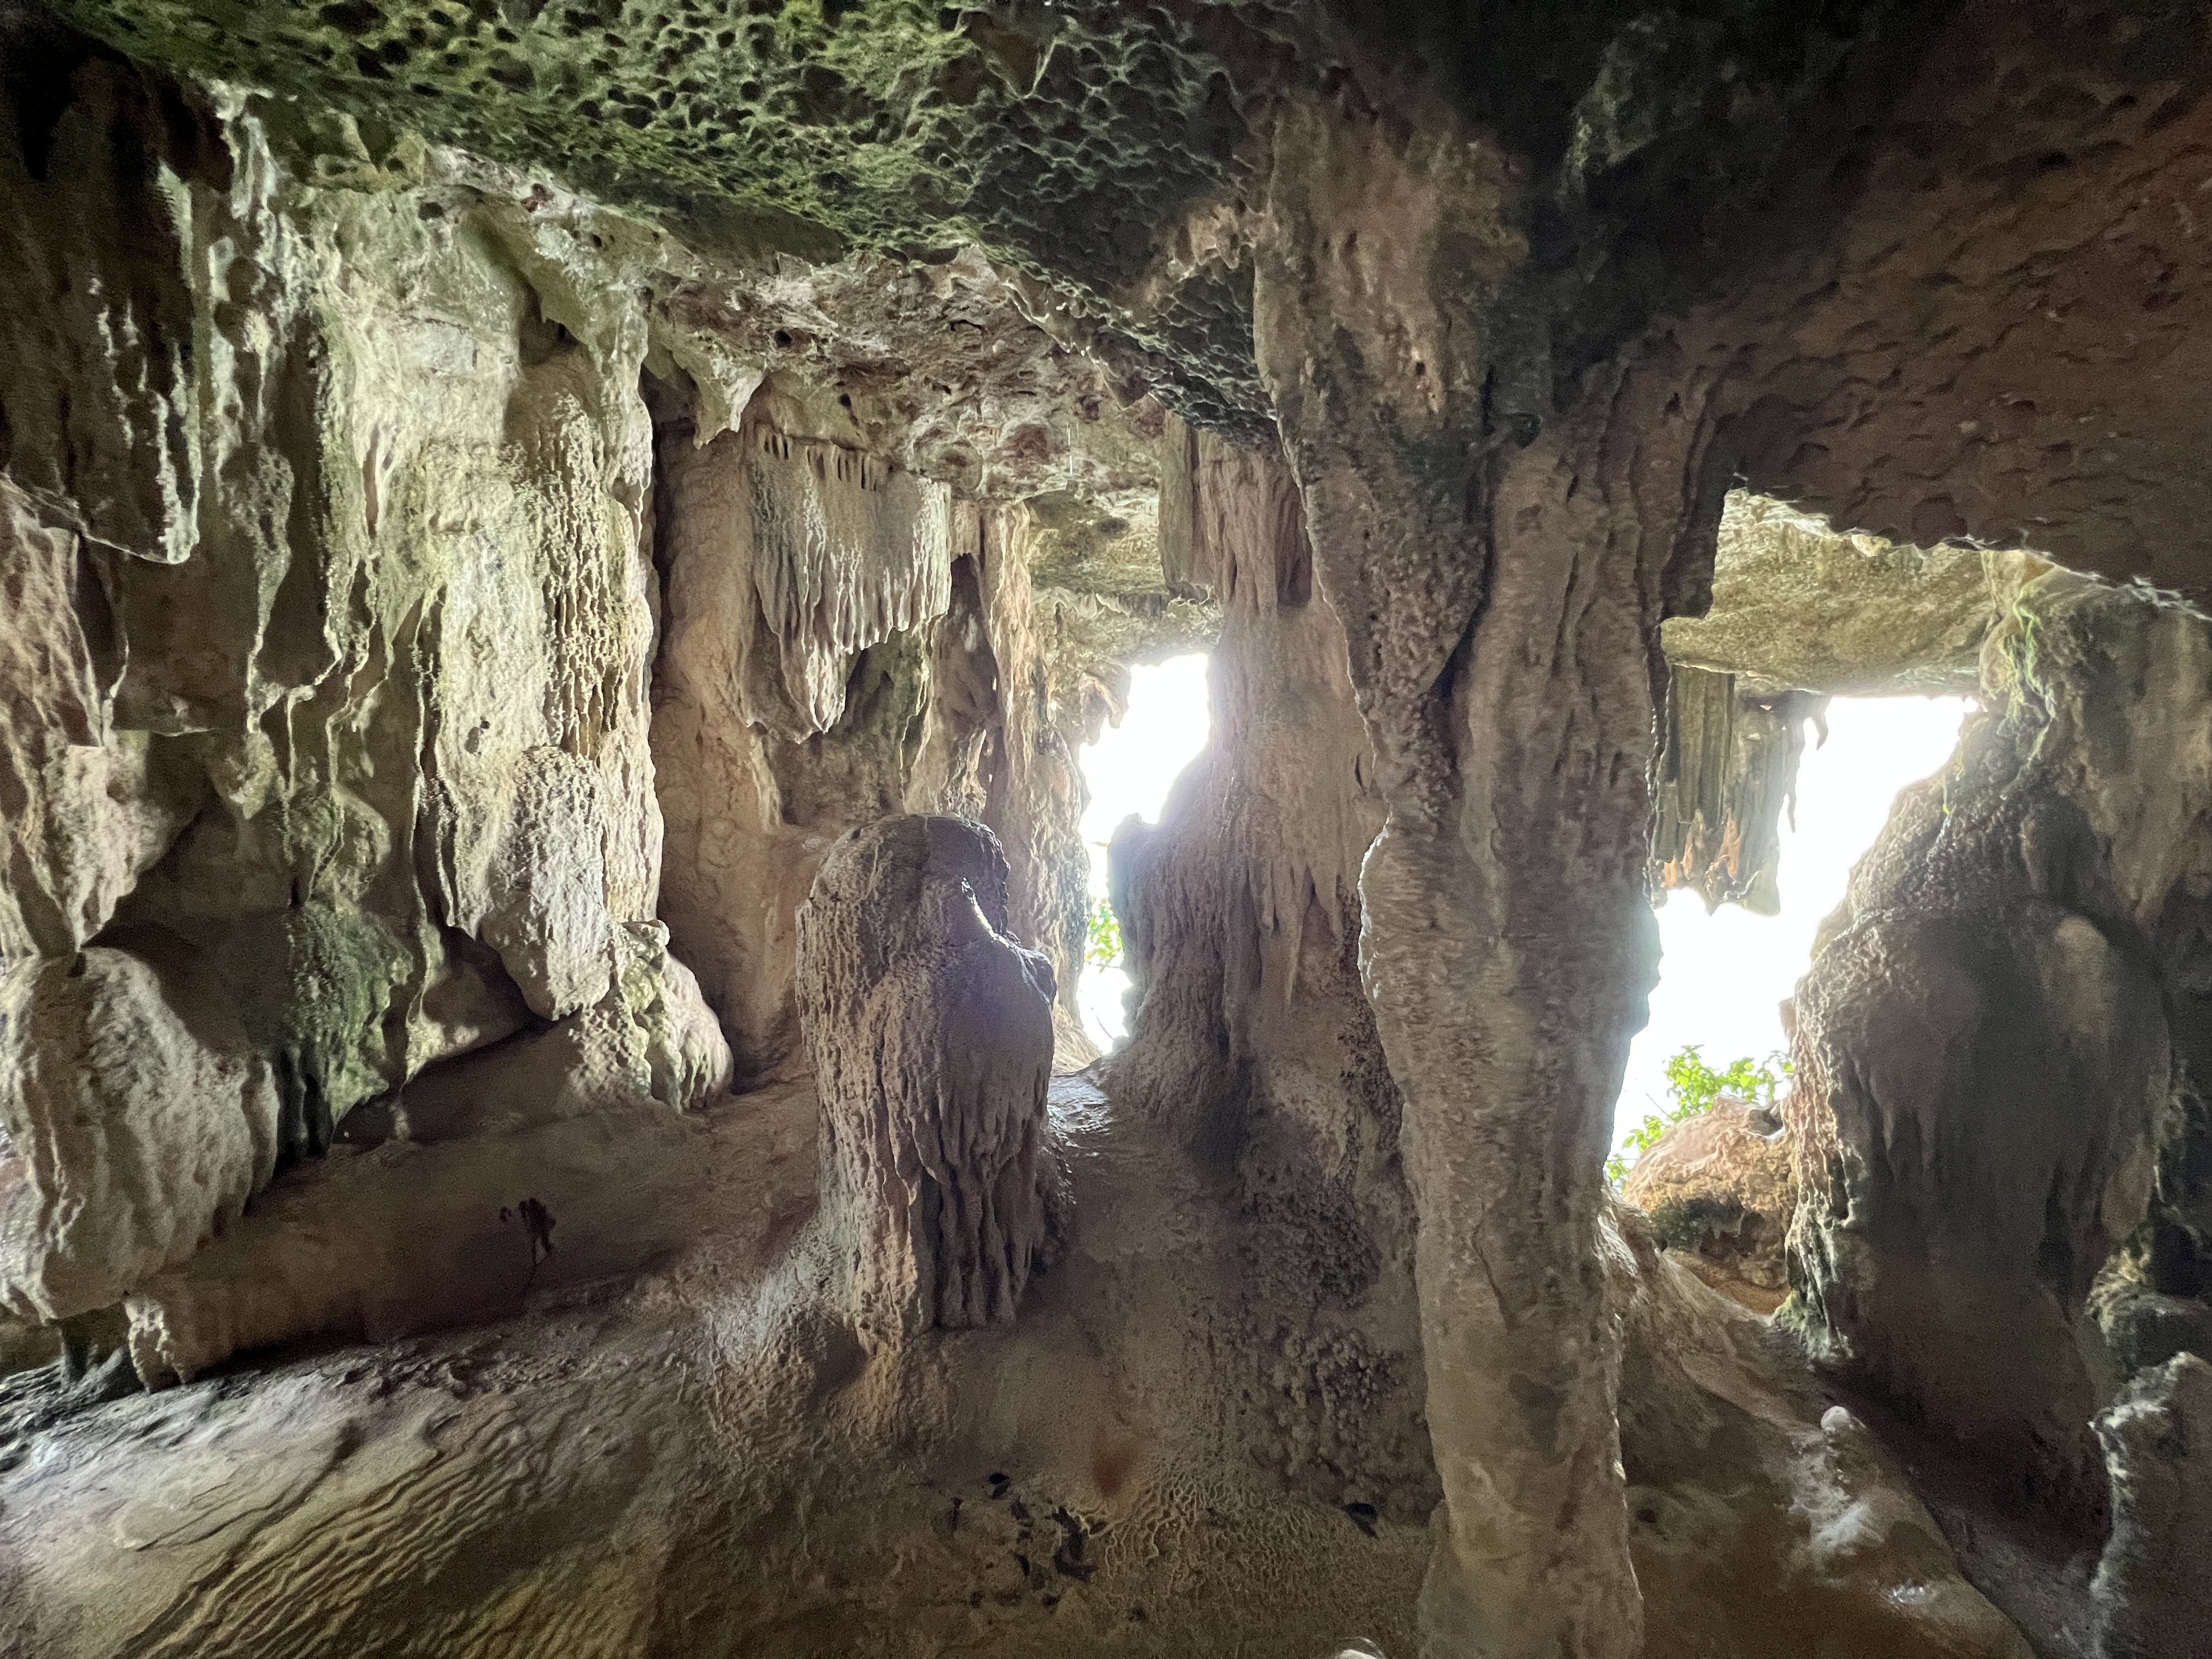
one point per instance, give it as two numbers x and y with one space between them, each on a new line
1078 138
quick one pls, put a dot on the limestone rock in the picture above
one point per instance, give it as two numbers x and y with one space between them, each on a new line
1728 771
391 534
1719 1190
844 641
361 622
543 882
81 820
932 1035
1798 604
2143 1327
2151 1591
25 1346
1251 1038
1499 573
1990 1046
1765 1518
374 1243
650 1039
133 1134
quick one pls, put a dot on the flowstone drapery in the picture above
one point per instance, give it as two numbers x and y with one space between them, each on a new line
930 1030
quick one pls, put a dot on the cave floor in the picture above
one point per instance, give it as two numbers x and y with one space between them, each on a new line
704 1461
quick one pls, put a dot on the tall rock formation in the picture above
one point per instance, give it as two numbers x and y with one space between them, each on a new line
2149 1591
1501 586
1251 1038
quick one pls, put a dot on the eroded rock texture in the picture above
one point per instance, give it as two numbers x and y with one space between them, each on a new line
334 630
131 1136
1250 1036
1728 769
331 640
424 585
2000 1027
2150 1585
1796 604
1720 1190
932 1035
1500 602
844 641
1764 1517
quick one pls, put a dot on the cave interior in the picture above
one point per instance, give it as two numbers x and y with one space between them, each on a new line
557 561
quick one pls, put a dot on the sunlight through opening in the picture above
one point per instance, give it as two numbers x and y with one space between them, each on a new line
1723 977
1129 771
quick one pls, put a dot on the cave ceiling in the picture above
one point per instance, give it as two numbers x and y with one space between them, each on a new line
1083 143
1942 261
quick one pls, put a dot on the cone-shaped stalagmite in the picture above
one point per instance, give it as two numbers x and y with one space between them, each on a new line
932 1034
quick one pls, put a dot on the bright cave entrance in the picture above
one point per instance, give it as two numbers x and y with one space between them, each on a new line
1722 975
1129 771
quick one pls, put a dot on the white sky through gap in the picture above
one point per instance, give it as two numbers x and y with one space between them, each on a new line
1722 977
1130 769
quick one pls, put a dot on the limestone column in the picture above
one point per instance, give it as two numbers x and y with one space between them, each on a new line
1499 576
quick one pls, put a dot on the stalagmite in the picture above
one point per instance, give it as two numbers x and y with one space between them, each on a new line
1501 598
932 1035
133 1134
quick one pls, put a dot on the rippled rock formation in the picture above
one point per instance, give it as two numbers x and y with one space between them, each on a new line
931 1036
1720 1190
1995 1024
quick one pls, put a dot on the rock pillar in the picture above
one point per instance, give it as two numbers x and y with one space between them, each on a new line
2150 1587
1498 567
1998 1036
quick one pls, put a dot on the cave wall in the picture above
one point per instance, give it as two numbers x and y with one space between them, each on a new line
1978 313
385 536
325 507
1251 1037
845 640
2000 1043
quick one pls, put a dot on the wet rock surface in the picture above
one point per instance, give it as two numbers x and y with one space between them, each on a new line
2149 1591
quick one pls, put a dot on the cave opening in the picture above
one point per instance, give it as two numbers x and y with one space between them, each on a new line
1725 970
1127 772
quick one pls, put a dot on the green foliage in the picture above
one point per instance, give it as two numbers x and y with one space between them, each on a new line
1695 1086
1101 935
